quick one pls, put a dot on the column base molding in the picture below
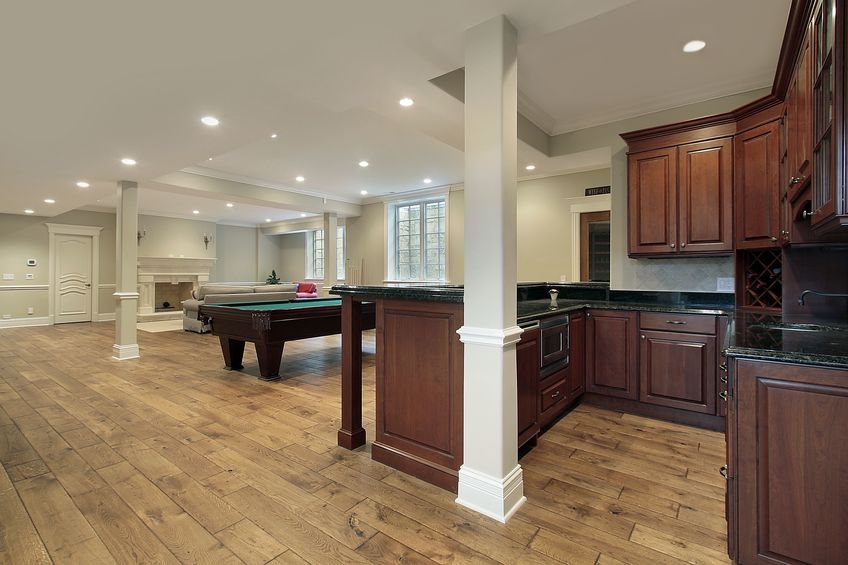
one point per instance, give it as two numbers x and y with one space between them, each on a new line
491 496
124 352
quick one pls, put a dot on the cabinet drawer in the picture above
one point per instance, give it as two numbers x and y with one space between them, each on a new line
553 395
668 322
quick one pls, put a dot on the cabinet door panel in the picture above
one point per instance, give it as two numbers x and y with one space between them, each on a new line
706 196
757 194
652 201
791 433
577 356
678 370
611 353
527 367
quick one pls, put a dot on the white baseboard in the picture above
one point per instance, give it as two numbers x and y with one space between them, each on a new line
124 352
25 322
106 317
491 496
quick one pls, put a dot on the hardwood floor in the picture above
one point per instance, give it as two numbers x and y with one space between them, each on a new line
171 459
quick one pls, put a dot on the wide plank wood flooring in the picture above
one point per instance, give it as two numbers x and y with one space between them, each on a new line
171 459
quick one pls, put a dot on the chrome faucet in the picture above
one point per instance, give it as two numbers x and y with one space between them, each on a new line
817 293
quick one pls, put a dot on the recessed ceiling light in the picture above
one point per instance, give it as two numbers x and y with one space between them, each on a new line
210 158
530 167
406 102
428 180
210 121
363 192
299 178
273 136
195 211
128 161
363 164
49 201
267 219
82 184
694 46
28 211
303 215
230 204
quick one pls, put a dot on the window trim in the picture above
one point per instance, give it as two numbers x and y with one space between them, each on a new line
390 250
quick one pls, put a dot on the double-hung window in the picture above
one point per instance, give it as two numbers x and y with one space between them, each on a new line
417 240
315 254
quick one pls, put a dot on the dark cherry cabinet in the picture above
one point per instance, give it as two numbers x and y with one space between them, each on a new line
577 353
678 370
611 353
680 199
756 183
787 463
527 368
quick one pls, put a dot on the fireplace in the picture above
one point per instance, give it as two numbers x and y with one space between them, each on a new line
171 280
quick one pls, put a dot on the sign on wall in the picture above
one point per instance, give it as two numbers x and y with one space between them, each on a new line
597 190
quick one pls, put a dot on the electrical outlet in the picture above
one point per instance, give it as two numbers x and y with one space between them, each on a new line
563 278
8 276
725 284
30 276
30 311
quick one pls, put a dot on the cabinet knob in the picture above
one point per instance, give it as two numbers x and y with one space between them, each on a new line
795 180
643 336
683 244
806 214
673 246
773 238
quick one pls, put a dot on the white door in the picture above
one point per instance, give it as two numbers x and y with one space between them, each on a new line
72 284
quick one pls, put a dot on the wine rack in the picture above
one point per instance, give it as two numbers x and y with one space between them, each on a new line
760 282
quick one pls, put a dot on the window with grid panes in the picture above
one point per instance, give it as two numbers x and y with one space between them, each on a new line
315 254
419 240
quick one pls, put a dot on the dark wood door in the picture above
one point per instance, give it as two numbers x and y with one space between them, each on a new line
577 355
792 463
706 196
678 370
611 353
756 187
527 366
652 202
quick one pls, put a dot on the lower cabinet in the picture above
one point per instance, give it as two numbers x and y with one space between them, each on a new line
577 358
678 370
787 465
527 366
611 353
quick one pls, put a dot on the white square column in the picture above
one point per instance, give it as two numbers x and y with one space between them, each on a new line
490 479
126 272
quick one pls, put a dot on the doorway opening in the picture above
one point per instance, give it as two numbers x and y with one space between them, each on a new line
595 246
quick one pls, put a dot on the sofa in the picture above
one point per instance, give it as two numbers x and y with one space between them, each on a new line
224 293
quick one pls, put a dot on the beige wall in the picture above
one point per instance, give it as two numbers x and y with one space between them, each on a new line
292 258
174 237
269 256
26 237
366 240
650 274
237 253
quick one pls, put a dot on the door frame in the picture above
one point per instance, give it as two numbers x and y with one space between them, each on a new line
577 206
66 229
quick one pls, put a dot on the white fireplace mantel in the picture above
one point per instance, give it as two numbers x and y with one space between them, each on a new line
152 270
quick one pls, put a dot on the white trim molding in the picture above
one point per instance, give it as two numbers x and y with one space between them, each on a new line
126 295
24 322
66 229
577 206
25 287
124 352
493 497
106 317
490 337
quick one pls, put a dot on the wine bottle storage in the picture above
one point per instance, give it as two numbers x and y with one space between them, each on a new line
760 283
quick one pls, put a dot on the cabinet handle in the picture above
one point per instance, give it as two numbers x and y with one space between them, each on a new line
806 214
672 246
723 472
556 394
676 322
723 379
723 395
723 367
795 180
773 238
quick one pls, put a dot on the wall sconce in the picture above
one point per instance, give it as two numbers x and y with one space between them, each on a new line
207 239
141 234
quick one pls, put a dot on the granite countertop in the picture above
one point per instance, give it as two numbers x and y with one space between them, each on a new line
403 291
772 337
533 309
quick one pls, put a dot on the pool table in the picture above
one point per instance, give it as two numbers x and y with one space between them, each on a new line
268 325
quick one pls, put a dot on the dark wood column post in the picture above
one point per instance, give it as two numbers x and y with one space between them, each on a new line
351 434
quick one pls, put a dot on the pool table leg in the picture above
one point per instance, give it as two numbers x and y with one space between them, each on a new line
269 354
233 350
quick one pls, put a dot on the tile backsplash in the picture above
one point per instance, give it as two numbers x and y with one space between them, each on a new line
679 274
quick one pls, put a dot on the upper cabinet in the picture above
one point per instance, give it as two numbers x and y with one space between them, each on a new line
680 196
757 164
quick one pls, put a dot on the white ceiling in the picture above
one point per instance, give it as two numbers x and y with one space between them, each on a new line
98 80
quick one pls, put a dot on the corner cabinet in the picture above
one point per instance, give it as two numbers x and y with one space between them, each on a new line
787 463
680 199
611 353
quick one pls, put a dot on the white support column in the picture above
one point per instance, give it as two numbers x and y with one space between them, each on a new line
126 272
490 479
331 221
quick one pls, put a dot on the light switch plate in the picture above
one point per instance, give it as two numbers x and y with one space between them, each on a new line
8 276
725 284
